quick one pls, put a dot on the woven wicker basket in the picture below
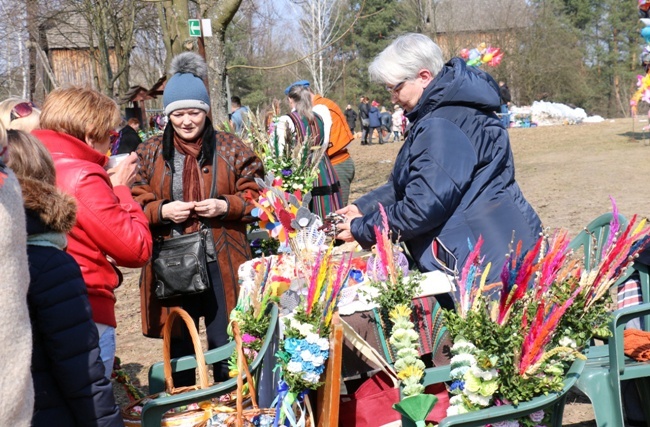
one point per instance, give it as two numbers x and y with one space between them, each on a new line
186 417
241 417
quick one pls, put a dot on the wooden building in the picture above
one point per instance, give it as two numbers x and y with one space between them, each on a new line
465 24
72 57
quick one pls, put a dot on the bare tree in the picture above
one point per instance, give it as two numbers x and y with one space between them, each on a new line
221 14
320 25
15 76
112 29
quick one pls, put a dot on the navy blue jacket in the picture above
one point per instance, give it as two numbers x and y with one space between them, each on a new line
69 384
373 116
454 178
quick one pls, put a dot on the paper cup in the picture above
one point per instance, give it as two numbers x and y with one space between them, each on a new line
115 160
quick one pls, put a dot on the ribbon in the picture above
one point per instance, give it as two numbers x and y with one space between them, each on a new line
283 389
283 403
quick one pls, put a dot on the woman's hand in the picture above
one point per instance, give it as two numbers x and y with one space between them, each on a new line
344 232
210 208
177 211
350 212
125 172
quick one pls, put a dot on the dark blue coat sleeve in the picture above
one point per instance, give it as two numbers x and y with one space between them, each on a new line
370 202
437 171
68 341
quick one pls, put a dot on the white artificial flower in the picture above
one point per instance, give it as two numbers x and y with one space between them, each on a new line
463 359
456 400
485 375
311 377
568 342
323 344
463 346
311 338
477 399
317 361
306 356
294 367
304 328
452 410
456 373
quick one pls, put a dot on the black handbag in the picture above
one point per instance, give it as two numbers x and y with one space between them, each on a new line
180 265
180 262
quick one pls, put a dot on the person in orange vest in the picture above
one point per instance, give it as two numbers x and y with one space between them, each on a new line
339 135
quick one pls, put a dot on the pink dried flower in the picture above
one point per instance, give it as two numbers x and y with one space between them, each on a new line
248 338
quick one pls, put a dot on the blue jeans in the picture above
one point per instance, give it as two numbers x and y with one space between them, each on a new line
505 117
106 347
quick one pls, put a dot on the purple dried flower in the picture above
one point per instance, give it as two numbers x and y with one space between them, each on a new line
536 417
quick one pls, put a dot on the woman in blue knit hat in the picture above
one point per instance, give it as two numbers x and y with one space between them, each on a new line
192 175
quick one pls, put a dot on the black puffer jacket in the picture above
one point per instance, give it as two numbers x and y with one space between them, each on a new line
69 384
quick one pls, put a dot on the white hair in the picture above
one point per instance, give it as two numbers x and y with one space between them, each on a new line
404 58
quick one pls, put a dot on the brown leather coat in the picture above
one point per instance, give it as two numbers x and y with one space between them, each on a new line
237 167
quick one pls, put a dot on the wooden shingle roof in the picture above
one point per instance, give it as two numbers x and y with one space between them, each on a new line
479 15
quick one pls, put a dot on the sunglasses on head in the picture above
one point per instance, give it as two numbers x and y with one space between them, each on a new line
114 136
21 110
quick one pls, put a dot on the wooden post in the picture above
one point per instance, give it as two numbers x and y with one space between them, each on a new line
328 400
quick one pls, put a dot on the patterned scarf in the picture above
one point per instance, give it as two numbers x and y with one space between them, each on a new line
192 177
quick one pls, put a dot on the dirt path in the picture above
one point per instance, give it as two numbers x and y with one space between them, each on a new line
566 172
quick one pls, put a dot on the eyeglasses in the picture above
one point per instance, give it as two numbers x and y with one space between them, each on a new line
393 90
21 110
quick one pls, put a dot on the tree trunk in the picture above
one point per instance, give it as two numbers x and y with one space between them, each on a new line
32 34
221 14
173 16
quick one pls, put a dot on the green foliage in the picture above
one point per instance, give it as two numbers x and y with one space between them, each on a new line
254 326
583 53
582 325
265 247
389 296
575 330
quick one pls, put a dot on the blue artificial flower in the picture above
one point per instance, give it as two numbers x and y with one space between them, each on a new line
286 172
291 345
457 385
315 350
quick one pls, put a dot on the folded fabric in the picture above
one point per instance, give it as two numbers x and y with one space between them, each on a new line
636 344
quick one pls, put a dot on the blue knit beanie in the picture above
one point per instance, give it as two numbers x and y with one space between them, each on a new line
185 88
304 83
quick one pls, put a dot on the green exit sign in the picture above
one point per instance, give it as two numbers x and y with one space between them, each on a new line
195 27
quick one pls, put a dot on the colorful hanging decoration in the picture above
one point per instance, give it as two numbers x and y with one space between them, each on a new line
643 81
482 54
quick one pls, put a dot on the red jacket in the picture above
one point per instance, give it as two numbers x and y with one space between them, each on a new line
109 222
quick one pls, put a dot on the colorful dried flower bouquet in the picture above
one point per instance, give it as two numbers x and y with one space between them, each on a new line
304 348
520 344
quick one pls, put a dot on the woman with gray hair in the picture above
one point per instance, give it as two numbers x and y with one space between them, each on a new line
454 177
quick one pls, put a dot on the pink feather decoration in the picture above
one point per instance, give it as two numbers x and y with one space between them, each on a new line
614 225
552 263
541 332
313 281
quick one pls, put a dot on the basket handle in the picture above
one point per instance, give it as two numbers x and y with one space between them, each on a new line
242 367
196 341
